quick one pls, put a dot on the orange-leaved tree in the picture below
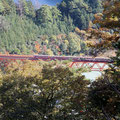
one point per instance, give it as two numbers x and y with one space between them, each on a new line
105 92
108 25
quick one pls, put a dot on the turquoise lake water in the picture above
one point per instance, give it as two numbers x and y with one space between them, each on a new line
94 74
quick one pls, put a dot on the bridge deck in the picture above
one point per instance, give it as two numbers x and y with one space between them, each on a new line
47 57
74 58
95 64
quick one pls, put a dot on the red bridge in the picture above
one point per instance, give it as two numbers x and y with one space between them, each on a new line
95 64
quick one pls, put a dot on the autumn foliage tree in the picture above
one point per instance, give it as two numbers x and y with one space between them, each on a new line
42 91
109 25
105 92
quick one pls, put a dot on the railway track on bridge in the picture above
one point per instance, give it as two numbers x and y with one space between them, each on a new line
95 64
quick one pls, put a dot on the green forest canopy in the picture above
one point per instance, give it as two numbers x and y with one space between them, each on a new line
51 26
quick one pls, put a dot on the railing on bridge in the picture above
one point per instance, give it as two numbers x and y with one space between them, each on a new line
95 64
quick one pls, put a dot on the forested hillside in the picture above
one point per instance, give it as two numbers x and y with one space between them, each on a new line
47 30
43 90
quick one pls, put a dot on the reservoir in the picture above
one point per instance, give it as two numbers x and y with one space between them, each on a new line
93 75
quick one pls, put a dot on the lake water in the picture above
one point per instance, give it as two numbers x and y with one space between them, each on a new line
93 74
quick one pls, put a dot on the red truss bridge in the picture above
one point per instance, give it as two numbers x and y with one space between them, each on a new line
95 64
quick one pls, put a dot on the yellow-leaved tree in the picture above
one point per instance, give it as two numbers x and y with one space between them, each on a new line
42 91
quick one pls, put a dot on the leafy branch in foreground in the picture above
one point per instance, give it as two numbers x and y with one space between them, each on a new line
104 94
42 91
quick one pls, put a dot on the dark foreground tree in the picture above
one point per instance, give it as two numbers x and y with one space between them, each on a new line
104 98
40 91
